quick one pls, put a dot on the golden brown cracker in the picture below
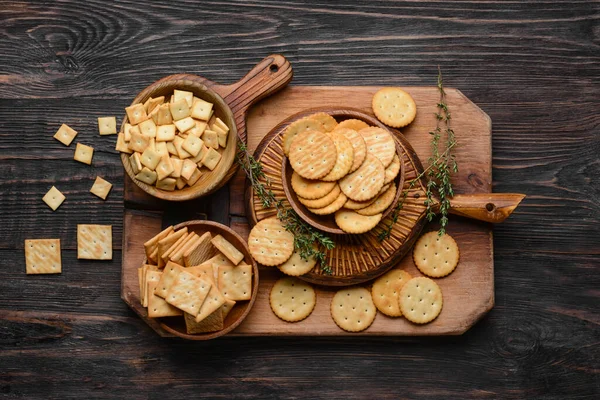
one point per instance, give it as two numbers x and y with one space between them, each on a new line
331 208
358 144
235 282
392 170
42 256
355 124
351 222
345 158
323 201
329 123
352 309
394 107
386 291
381 203
296 127
421 300
312 154
436 256
296 265
380 143
364 183
94 242
292 300
270 243
310 188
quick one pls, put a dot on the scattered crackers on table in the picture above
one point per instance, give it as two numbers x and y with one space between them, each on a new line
199 277
343 169
172 141
42 256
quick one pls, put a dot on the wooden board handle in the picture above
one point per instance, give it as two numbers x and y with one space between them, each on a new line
267 77
488 207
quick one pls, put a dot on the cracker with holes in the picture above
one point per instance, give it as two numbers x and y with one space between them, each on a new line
353 309
392 170
380 143
188 292
270 243
292 300
386 291
94 242
364 183
235 282
83 154
358 145
310 188
394 107
152 276
329 123
101 188
213 302
421 300
354 124
436 256
312 154
157 306
296 265
381 203
322 201
345 158
170 273
152 244
228 250
107 125
351 222
65 134
199 252
331 208
136 113
296 127
42 256
53 198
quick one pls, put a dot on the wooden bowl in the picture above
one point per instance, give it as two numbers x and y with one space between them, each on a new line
176 325
231 103
209 180
327 223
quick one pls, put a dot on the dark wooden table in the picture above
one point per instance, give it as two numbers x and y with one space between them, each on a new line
534 67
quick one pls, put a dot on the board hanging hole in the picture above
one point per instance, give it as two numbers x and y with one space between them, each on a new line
273 68
490 207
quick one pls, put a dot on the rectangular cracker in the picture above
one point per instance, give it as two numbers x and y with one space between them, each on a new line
228 250
152 258
187 169
151 277
185 124
211 139
138 142
164 167
65 134
136 113
194 178
157 306
84 154
122 144
166 253
226 308
177 255
218 122
213 302
107 125
42 256
143 285
201 110
179 109
188 292
101 188
136 163
165 133
147 176
164 115
170 272
183 94
148 128
152 244
94 242
193 145
166 242
197 130
235 283
200 252
181 153
211 159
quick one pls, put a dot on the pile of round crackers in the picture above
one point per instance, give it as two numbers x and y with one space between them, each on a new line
346 169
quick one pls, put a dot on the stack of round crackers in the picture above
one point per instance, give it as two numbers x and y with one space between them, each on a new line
345 169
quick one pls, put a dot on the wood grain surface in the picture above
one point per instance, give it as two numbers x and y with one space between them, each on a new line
534 67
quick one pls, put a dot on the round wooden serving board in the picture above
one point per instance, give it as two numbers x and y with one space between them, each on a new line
355 258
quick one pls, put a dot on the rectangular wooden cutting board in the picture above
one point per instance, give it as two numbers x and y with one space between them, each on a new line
468 292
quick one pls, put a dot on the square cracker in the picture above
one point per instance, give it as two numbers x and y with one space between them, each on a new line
200 252
212 323
122 144
194 178
54 198
136 113
165 256
211 139
226 308
151 276
136 163
179 109
168 277
84 154
182 94
107 125
138 142
42 256
228 250
147 176
235 283
188 292
94 242
65 134
158 307
211 159
164 115
101 188
143 286
213 302
177 255
201 109
165 243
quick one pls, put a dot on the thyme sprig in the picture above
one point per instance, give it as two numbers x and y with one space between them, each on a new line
438 171
306 239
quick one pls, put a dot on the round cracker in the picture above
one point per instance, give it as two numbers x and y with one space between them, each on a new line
355 124
302 125
329 123
296 265
380 143
312 154
270 243
310 189
292 300
386 291
345 158
394 107
352 309
358 144
352 222
391 172
436 256
357 205
381 203
331 208
323 201
364 183
421 300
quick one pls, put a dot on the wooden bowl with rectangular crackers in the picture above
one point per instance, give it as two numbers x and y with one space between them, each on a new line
327 223
176 325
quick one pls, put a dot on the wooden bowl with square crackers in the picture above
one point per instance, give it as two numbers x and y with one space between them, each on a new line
177 325
327 223
230 104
